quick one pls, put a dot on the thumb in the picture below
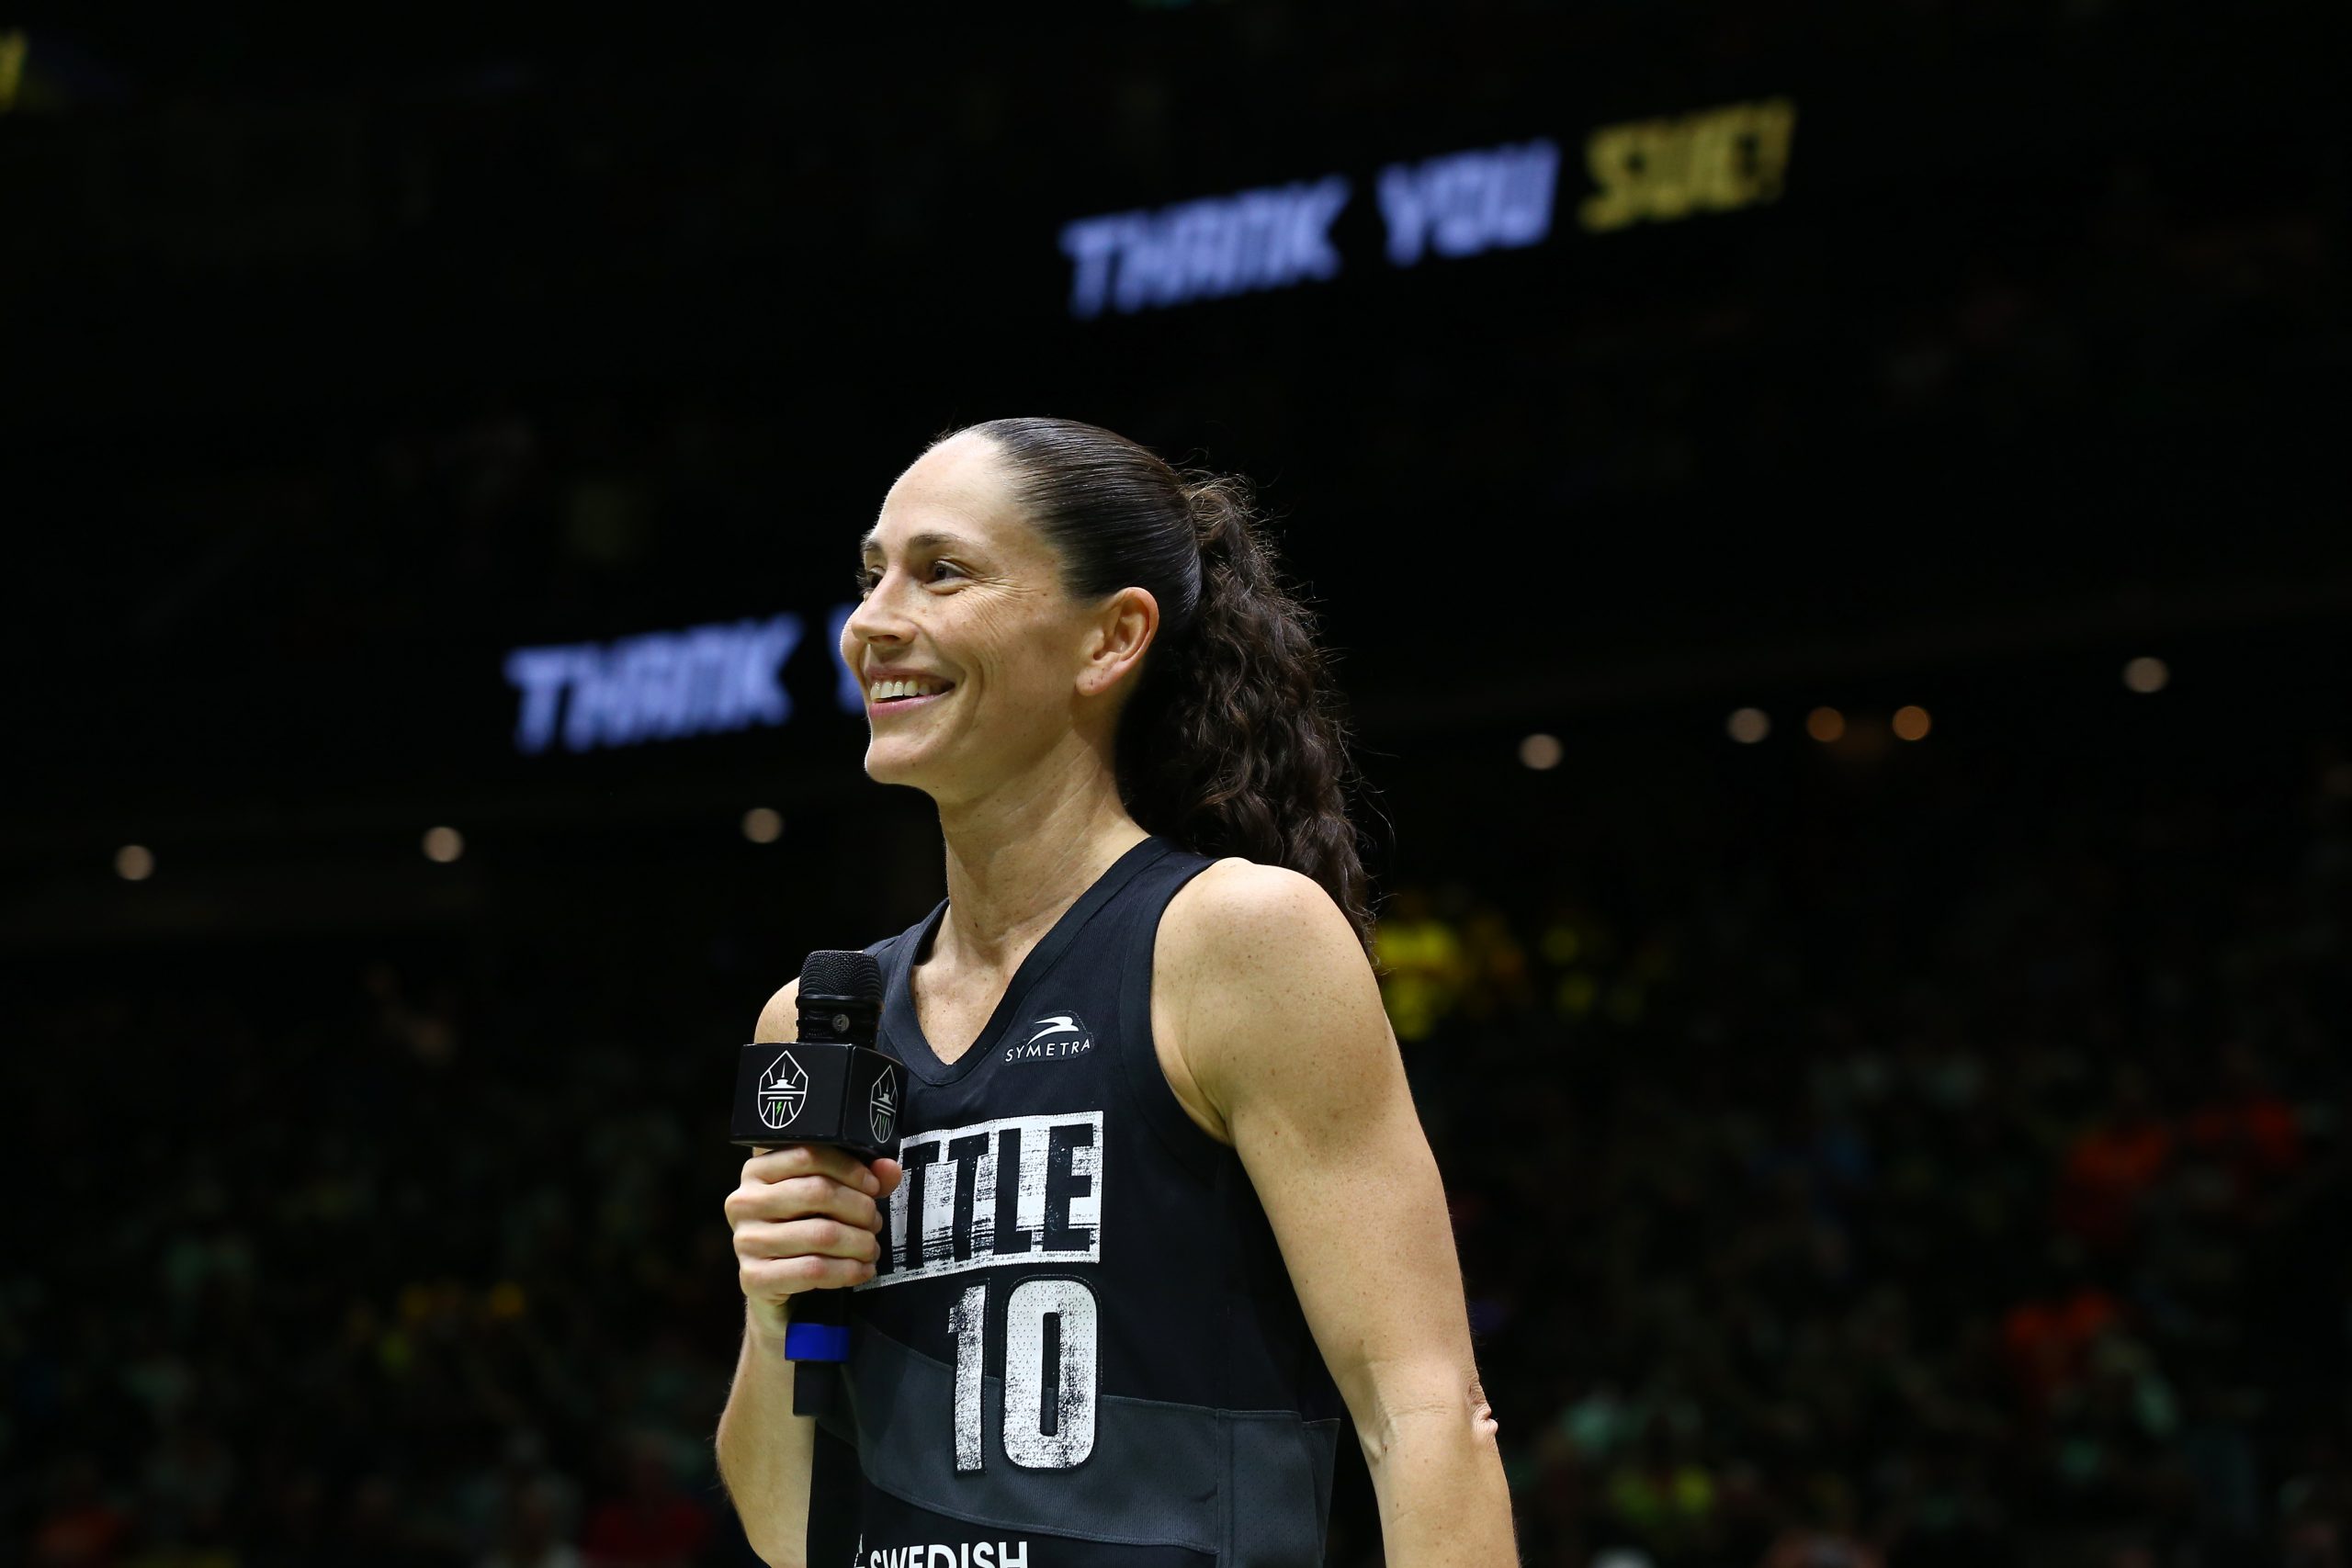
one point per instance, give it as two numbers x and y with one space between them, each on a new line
889 1173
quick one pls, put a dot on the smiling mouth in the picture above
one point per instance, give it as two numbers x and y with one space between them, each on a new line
901 693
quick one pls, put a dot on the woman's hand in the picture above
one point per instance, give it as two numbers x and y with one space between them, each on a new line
806 1218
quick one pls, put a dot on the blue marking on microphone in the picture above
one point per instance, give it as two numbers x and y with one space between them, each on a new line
816 1341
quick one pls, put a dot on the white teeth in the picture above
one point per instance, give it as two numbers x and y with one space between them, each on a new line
885 690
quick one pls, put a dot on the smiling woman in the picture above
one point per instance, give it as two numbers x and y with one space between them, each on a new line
1229 745
1113 1297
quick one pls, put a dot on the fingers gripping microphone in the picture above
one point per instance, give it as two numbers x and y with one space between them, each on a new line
830 1086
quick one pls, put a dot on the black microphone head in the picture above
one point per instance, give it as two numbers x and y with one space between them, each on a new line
851 976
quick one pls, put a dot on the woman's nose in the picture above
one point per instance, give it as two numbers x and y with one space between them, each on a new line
874 618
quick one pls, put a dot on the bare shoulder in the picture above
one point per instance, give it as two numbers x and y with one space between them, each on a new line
1239 918
1264 1006
780 1019
1257 972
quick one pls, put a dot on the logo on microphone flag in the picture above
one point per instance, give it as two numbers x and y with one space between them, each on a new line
784 1089
883 1106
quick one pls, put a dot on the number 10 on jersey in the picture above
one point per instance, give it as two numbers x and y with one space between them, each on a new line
1050 1367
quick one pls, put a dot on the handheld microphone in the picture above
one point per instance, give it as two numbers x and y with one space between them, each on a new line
830 1086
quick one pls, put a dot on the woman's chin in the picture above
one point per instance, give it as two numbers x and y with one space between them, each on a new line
891 762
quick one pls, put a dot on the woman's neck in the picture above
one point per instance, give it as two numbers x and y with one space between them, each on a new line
1018 857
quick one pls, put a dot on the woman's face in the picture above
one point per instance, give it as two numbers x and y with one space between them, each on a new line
974 660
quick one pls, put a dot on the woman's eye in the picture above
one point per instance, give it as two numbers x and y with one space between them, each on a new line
868 578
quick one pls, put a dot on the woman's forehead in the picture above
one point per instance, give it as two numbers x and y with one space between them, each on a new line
960 487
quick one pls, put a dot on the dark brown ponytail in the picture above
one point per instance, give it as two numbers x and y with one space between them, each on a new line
1230 745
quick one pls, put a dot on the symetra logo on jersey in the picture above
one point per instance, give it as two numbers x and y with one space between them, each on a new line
1051 1039
1017 1190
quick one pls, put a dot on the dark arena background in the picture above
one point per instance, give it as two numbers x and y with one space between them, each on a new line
1832 519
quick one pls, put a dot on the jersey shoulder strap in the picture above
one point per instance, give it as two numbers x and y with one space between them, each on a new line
1134 1047
891 951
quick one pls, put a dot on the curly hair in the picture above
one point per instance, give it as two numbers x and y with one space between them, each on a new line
1231 743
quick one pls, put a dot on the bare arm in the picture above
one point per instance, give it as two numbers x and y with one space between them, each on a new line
804 1218
1278 1020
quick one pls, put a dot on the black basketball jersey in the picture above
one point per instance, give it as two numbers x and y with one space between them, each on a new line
1080 1348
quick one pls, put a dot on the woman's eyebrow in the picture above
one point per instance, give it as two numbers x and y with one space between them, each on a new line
924 541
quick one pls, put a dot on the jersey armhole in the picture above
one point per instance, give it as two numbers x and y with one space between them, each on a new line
1147 1081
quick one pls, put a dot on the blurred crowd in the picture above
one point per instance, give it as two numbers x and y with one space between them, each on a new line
368 1268
1971 1193
1897 1201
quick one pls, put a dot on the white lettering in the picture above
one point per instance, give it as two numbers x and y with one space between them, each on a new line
968 1320
1027 1414
1029 1186
938 1202
1047 1050
896 1204
940 1555
1086 1206
934 1160
984 1197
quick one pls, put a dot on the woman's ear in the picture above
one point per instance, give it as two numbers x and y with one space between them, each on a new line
1118 635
